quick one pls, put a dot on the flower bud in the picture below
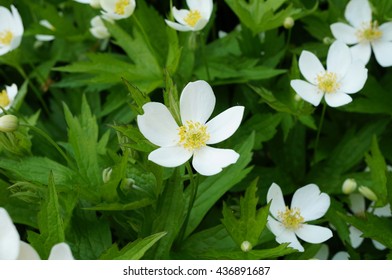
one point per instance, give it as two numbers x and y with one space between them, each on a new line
95 4
368 193
288 22
106 174
349 185
246 246
9 123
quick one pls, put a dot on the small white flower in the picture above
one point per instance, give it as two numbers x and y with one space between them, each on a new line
11 29
179 143
12 248
118 9
342 77
98 28
365 34
7 97
194 19
44 38
307 204
358 208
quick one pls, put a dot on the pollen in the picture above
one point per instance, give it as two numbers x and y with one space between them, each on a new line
193 135
327 82
4 99
291 218
370 32
120 6
192 18
6 37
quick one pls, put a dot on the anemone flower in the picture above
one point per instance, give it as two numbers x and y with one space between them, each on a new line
11 29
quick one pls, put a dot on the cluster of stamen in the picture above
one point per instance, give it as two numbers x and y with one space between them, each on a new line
192 18
120 6
4 99
370 32
193 135
327 82
6 37
291 218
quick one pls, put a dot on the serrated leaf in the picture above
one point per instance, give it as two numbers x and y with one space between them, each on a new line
251 222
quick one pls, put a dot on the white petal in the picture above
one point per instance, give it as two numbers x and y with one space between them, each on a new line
275 195
210 161
355 78
313 234
355 237
386 29
18 24
343 256
322 253
197 102
61 251
27 252
307 91
158 125
310 66
225 124
284 235
180 15
384 211
178 26
362 52
344 32
9 237
6 19
200 24
170 156
312 203
338 59
383 52
357 203
358 12
4 49
12 91
378 245
337 99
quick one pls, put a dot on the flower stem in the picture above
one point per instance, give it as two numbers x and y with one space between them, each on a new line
203 55
319 130
49 139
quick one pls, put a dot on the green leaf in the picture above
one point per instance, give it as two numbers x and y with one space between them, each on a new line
50 223
251 222
213 188
139 97
133 250
378 169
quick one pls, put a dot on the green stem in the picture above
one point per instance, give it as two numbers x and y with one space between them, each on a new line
319 129
49 139
203 55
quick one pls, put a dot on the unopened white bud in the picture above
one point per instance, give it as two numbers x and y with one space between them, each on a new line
106 174
288 22
368 193
349 185
246 246
9 123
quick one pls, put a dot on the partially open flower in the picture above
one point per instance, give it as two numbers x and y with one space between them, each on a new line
179 143
11 29
98 28
7 97
286 223
194 19
118 9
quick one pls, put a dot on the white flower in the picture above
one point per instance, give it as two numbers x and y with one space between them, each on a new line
7 97
179 143
358 208
307 204
49 26
342 77
118 9
194 19
11 29
98 28
365 34
12 248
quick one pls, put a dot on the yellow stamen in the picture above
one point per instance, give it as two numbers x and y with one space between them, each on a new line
192 18
120 6
193 135
6 37
327 82
4 99
370 32
291 218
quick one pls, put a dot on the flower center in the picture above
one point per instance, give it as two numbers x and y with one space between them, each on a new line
193 135
291 218
120 6
6 37
327 82
370 32
192 17
4 99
